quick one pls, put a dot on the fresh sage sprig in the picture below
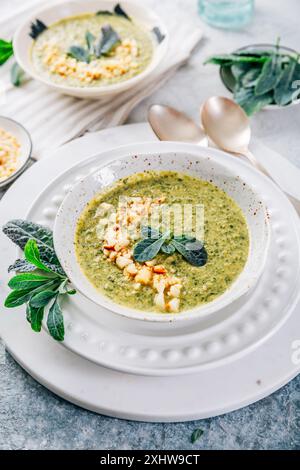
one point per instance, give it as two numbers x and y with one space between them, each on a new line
108 40
153 241
259 77
40 281
36 28
118 10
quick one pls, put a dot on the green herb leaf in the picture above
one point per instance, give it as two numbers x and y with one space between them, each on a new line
28 313
16 75
20 231
168 248
35 317
158 34
6 50
22 266
250 77
27 281
90 39
36 28
191 249
55 322
17 298
21 296
250 102
229 59
270 75
120 12
42 298
63 288
32 255
196 435
107 42
104 12
284 90
148 248
79 53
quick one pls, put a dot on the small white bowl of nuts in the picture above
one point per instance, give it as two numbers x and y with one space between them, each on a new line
15 150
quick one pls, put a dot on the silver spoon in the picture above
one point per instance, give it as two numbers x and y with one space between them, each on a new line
228 127
170 124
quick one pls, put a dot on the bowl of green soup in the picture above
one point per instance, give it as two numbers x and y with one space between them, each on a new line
164 232
91 49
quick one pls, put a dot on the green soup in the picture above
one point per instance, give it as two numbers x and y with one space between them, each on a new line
52 51
226 241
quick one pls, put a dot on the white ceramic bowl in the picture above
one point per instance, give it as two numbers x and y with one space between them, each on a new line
186 158
24 139
22 42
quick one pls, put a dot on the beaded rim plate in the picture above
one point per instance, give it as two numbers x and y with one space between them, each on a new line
210 392
169 349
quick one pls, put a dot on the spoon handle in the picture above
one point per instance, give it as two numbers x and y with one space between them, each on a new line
253 160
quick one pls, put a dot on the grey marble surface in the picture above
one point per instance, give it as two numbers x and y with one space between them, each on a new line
31 417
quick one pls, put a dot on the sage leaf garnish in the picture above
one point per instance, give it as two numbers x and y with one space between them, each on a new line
90 39
6 50
120 12
17 298
55 321
79 53
36 28
269 77
258 78
250 102
159 35
148 248
229 59
191 249
42 298
196 434
168 248
32 255
104 12
154 241
35 317
16 75
108 41
27 281
42 281
284 90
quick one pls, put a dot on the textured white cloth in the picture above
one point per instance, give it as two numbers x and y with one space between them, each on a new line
53 119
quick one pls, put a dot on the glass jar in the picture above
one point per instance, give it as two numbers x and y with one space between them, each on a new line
229 14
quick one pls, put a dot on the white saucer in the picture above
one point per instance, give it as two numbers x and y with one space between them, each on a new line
220 388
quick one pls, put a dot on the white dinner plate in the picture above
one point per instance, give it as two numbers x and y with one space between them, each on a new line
220 387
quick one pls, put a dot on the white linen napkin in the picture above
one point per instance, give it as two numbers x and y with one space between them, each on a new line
53 119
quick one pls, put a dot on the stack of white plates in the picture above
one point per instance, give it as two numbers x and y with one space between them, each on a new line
126 367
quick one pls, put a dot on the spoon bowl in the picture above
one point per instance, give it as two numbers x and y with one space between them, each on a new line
226 124
170 124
